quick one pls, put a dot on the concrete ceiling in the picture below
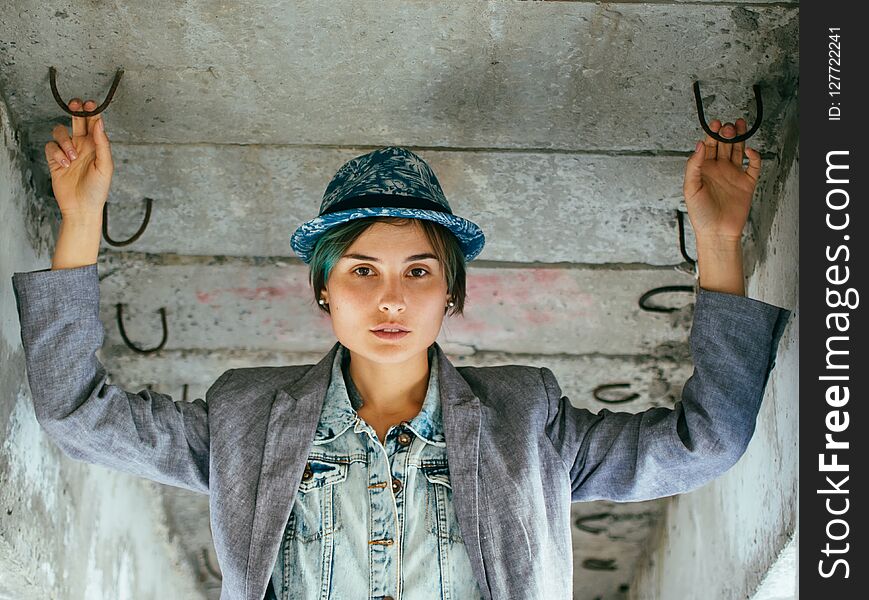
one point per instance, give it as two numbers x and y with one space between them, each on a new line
562 128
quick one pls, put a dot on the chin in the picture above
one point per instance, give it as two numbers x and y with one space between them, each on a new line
385 351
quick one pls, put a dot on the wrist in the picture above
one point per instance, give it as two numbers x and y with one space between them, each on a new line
719 244
81 218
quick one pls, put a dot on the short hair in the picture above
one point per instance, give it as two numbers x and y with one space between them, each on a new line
336 240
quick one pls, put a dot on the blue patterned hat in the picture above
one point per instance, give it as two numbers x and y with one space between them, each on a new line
392 182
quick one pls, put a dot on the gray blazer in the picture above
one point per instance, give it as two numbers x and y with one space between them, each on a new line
519 453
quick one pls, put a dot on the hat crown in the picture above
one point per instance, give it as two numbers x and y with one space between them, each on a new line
392 171
391 182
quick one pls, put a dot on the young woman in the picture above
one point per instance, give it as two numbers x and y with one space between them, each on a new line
383 471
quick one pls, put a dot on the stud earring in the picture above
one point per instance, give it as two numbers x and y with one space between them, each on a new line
451 303
323 302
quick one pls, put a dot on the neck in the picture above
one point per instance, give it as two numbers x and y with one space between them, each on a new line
391 389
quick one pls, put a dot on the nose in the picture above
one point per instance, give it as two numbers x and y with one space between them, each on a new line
395 304
392 298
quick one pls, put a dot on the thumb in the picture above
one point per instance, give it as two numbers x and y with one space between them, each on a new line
103 148
692 171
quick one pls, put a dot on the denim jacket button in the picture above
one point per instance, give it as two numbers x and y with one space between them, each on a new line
404 439
308 472
396 485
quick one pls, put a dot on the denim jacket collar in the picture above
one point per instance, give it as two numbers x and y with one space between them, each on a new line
343 400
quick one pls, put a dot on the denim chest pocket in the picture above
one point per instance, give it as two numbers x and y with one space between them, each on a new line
314 512
440 514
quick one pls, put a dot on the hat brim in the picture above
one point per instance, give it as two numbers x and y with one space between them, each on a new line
469 234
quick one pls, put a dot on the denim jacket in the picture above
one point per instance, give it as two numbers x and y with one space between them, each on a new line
519 451
374 520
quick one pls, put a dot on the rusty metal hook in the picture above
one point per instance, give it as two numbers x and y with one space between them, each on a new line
131 345
757 119
581 522
136 235
661 290
206 561
681 219
608 386
600 564
52 75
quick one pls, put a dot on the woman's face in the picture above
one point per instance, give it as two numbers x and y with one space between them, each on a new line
388 275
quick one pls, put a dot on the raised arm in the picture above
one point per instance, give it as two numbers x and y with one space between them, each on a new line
147 433
659 452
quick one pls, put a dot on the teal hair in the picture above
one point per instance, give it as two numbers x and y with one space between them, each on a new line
335 241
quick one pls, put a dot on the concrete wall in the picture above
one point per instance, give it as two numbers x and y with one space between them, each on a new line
735 537
68 530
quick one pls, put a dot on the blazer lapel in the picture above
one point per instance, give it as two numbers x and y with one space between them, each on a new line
461 415
289 437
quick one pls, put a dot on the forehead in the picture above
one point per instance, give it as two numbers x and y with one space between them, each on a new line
389 240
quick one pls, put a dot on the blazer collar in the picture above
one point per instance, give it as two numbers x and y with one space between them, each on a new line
289 438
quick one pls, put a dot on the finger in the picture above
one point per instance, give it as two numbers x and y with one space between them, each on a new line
55 157
91 121
753 163
61 135
79 127
693 168
724 148
89 105
710 142
103 160
738 150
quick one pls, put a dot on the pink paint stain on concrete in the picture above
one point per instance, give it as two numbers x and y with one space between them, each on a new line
535 296
279 291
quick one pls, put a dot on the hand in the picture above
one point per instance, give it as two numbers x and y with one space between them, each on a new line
717 190
81 166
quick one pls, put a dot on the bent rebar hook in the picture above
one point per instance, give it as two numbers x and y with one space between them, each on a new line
136 235
581 522
661 290
681 219
607 386
131 345
52 75
757 120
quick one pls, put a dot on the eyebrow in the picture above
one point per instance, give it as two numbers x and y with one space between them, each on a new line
377 260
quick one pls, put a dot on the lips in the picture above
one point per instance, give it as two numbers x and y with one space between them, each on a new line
400 328
386 335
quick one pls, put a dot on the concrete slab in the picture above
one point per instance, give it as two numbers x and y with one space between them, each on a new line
240 304
248 200
545 75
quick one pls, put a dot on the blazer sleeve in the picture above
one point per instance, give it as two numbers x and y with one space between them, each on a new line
146 433
661 451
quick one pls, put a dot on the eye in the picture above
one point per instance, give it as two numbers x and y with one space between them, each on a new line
419 269
357 268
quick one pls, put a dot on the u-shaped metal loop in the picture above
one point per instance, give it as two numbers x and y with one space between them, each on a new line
608 386
581 522
52 76
206 561
661 290
681 219
600 564
136 235
740 138
131 345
